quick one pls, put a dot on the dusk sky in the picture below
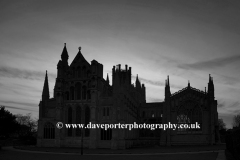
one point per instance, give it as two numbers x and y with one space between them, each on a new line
187 40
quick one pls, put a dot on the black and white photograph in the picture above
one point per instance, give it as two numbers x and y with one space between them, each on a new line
120 79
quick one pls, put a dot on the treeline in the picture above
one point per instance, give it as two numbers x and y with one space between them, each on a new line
20 129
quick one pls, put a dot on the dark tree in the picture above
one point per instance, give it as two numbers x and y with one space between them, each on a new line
236 121
221 124
27 125
222 127
8 123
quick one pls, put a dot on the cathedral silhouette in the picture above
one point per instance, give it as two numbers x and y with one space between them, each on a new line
82 95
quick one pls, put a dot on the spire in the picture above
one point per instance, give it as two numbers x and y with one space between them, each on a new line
138 85
188 83
210 78
107 79
168 80
167 88
45 93
64 55
211 87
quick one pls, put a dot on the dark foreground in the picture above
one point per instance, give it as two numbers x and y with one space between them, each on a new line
6 154
146 150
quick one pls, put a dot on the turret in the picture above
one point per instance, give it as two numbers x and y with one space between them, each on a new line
107 79
62 65
188 84
144 92
167 89
121 77
64 55
211 88
138 85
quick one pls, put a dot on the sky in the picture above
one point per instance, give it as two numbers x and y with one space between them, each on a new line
187 40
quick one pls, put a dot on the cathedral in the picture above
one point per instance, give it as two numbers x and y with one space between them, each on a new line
81 95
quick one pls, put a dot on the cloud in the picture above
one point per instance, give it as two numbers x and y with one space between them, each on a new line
32 105
221 104
19 108
152 99
210 64
235 105
23 74
155 83
229 80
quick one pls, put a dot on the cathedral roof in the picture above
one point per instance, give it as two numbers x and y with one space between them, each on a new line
187 89
79 58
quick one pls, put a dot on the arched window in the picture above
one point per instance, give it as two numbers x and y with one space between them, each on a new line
183 117
66 95
78 91
87 120
78 120
88 94
189 113
49 131
71 93
84 91
69 121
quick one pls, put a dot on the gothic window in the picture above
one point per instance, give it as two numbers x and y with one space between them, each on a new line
87 120
78 91
84 91
183 119
89 84
189 114
69 121
78 120
49 131
71 93
106 134
66 95
88 94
